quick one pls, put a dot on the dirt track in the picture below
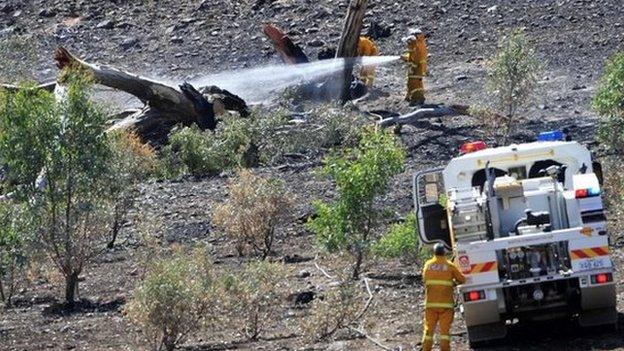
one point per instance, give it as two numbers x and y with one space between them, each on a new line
187 38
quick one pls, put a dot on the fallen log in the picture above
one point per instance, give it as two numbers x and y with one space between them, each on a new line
426 112
165 106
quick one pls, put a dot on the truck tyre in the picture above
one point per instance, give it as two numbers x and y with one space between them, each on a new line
482 335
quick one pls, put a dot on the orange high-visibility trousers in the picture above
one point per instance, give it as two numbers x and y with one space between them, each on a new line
433 317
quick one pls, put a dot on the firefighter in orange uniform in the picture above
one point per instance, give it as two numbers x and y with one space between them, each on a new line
439 276
367 47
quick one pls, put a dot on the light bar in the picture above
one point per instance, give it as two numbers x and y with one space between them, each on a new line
553 135
472 147
583 193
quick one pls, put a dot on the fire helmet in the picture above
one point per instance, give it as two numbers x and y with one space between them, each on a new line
439 249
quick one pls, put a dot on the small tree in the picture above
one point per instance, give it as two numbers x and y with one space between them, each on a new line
132 161
57 154
252 212
337 310
255 295
178 296
511 79
361 175
609 103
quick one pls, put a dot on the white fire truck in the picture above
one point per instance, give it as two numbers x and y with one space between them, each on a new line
527 227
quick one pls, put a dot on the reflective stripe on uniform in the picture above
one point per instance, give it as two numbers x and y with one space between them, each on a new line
427 337
439 305
415 76
445 337
439 282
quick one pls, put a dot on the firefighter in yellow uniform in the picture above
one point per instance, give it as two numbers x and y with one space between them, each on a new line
416 57
367 47
439 276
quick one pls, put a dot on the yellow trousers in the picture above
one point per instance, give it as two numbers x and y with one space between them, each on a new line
367 74
433 316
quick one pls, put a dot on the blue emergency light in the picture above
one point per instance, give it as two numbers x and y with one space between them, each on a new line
553 135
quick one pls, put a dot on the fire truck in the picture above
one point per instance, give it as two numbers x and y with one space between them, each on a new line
527 227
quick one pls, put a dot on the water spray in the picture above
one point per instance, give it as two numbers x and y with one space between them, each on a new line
260 84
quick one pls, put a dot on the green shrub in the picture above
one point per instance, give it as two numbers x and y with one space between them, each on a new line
512 76
265 137
178 296
401 241
609 103
253 209
361 175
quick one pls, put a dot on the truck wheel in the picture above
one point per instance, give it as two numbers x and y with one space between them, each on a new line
480 336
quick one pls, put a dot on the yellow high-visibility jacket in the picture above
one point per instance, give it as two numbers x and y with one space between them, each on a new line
439 276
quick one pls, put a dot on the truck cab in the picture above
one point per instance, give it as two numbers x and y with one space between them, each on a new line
526 225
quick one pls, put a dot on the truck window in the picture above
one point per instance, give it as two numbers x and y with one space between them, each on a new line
478 178
534 172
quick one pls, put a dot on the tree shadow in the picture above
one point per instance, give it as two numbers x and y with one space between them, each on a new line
83 306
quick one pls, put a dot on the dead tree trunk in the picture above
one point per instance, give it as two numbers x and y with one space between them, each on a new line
165 106
348 44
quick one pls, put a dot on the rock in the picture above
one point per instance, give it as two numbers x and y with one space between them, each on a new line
47 13
303 274
315 43
378 30
303 298
461 77
129 43
106 24
177 40
6 7
296 259
170 30
327 53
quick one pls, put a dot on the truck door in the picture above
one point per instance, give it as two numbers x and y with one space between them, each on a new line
430 206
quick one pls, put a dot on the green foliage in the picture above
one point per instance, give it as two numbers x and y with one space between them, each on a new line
265 137
178 296
254 207
512 76
14 247
361 175
401 241
57 153
609 103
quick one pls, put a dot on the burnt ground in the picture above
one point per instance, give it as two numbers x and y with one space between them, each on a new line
184 39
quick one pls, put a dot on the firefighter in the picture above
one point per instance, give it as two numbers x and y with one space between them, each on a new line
366 47
416 57
439 276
